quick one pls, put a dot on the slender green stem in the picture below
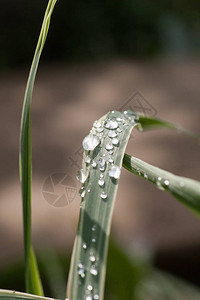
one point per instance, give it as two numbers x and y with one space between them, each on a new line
32 279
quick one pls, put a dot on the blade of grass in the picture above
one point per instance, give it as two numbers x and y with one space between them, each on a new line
153 123
88 263
32 278
186 190
13 295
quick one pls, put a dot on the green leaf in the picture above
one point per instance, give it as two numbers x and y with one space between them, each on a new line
88 264
186 190
162 286
33 284
13 295
146 123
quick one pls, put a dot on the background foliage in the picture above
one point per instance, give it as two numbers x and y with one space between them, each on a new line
85 30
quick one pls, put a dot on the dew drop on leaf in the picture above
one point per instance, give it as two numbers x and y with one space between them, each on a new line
100 129
82 175
93 270
92 258
94 227
94 164
90 287
83 192
115 141
103 195
109 146
101 182
87 159
97 124
115 172
81 270
112 134
90 142
111 124
166 182
84 246
119 119
159 184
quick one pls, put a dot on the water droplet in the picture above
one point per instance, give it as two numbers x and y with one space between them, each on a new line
93 270
87 159
119 119
115 141
92 258
145 176
115 172
94 227
83 192
89 190
182 184
90 142
166 182
96 297
82 175
103 195
112 134
111 160
90 287
94 164
101 182
93 240
111 152
100 129
109 146
131 115
159 184
111 124
119 130
88 298
97 124
84 246
101 175
81 270
102 162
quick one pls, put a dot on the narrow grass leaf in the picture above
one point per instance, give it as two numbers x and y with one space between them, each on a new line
102 161
33 283
13 295
146 123
186 190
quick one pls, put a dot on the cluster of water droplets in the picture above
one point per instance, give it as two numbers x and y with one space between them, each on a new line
162 183
91 291
101 148
104 134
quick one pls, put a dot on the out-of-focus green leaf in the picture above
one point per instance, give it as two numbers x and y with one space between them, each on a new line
146 123
186 190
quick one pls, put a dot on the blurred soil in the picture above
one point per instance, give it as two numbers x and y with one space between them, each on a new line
66 101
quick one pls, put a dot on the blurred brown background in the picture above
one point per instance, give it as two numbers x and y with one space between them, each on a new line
96 56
